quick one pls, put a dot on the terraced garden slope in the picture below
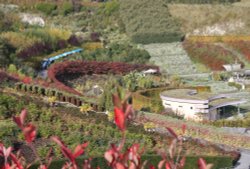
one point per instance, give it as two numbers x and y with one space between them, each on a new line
148 21
208 54
171 57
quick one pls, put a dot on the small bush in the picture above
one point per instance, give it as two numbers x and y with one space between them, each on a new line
46 8
110 7
67 8
73 40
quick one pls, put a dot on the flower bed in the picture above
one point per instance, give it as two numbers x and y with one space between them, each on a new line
242 47
209 54
76 68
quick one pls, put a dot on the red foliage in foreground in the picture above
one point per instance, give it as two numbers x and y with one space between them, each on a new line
90 67
29 130
116 158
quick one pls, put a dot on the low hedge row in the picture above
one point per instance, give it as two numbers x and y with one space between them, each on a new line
218 162
232 123
165 37
61 96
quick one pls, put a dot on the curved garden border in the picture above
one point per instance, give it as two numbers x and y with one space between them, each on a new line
89 68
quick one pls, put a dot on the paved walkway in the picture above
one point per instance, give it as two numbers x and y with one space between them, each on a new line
244 162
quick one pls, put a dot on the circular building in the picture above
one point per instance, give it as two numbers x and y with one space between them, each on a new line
197 106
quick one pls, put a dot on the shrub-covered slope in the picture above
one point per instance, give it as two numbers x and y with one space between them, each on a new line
148 21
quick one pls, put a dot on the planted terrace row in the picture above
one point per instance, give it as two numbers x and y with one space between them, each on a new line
209 54
49 92
67 69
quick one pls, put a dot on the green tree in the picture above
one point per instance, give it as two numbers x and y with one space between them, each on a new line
6 53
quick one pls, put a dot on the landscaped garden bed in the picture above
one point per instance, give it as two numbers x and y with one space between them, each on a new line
209 54
73 127
74 69
242 47
195 130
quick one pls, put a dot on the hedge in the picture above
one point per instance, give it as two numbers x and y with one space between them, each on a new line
46 8
191 162
232 123
165 37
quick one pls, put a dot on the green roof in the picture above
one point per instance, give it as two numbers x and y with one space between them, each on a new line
187 94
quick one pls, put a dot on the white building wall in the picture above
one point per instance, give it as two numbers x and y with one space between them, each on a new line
188 110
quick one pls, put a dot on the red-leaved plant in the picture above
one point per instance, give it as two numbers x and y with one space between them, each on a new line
116 156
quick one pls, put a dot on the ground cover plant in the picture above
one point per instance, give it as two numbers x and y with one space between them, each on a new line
208 54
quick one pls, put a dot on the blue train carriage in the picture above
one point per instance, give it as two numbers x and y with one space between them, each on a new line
47 62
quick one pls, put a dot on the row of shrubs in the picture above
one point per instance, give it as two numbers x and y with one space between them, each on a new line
50 8
242 46
69 124
163 37
61 96
149 21
213 56
232 123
